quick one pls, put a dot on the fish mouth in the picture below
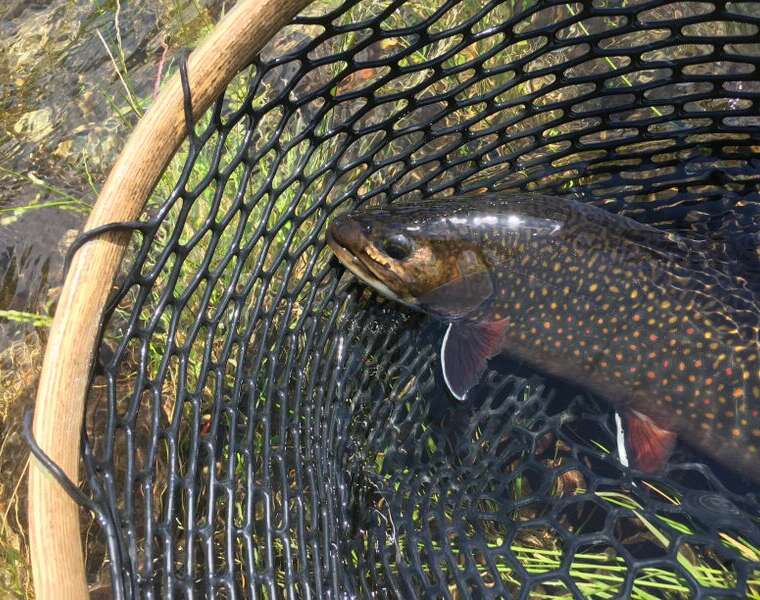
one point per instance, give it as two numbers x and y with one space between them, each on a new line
336 234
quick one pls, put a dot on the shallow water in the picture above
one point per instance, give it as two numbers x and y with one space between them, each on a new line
64 115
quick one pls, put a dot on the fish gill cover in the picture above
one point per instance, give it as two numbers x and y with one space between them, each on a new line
259 426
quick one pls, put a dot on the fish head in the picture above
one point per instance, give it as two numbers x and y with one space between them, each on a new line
495 265
438 256
399 258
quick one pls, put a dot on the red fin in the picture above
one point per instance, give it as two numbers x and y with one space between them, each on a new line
650 444
465 351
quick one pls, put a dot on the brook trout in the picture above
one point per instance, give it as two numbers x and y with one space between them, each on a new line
639 316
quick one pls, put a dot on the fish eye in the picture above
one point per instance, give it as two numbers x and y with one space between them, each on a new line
398 246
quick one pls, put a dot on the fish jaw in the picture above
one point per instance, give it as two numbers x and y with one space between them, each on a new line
358 269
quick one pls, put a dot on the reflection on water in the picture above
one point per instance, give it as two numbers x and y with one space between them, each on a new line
64 113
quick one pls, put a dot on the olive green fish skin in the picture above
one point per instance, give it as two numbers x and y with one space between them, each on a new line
639 316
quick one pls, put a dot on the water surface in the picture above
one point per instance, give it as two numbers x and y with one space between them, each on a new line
74 76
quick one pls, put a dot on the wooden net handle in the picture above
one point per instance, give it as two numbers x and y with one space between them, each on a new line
55 541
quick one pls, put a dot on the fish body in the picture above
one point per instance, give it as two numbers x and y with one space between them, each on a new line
641 317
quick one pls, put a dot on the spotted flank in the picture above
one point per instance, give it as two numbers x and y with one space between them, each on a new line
641 317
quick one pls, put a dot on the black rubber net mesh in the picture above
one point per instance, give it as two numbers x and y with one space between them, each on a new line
261 425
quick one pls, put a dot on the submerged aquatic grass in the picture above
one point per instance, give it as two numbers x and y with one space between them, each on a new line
598 574
706 575
63 200
28 318
19 368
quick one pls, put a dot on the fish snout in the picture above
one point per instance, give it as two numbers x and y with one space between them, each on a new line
345 233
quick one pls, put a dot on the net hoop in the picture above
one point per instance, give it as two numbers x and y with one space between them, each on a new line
55 541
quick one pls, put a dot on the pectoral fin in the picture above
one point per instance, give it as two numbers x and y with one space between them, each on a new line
649 443
465 351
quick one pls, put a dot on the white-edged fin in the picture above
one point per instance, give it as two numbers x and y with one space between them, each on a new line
622 452
443 365
465 350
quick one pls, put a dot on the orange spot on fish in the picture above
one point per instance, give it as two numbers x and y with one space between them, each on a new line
690 330
547 325
637 317
651 375
736 432
653 337
709 381
698 363
738 393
